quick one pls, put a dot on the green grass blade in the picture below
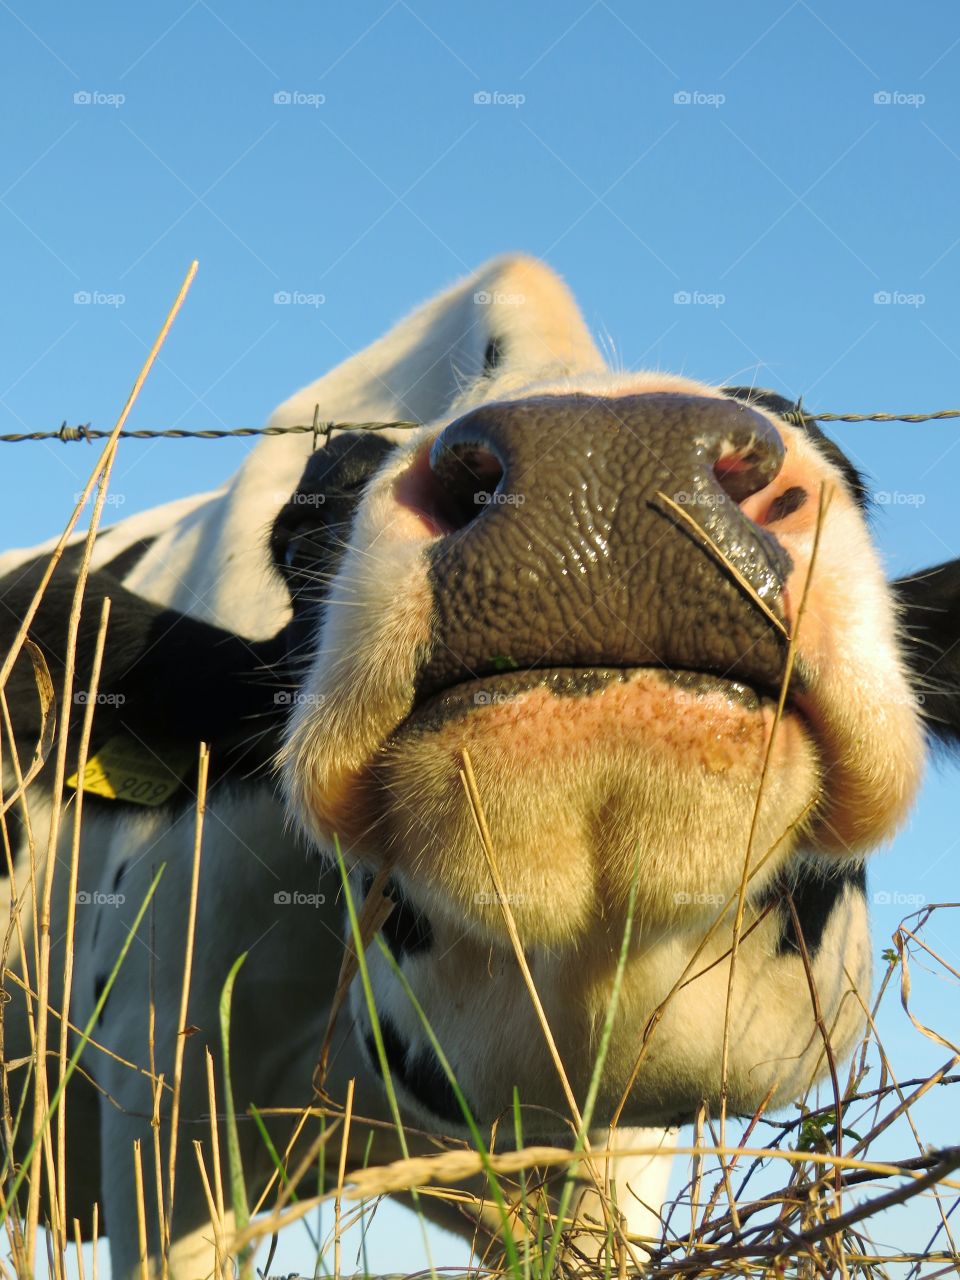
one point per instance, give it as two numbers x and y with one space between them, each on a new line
272 1150
241 1209
524 1207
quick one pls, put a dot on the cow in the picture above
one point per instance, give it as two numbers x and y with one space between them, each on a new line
642 613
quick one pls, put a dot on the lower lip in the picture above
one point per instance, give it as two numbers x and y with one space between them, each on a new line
700 722
511 688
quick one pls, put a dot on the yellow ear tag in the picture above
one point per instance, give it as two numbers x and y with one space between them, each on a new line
123 769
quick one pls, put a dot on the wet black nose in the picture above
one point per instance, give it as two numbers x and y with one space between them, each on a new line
559 549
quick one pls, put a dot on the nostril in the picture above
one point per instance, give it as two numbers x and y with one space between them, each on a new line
467 477
451 485
786 504
743 471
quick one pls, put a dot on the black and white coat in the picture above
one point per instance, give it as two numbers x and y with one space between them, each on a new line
615 690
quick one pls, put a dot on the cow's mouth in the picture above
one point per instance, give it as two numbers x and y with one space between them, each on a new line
433 711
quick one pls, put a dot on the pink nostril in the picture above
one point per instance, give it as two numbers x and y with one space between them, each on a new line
746 472
450 486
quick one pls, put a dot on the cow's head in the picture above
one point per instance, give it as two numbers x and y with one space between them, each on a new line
591 581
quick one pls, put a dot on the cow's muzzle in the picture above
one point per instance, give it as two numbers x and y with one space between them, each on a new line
556 547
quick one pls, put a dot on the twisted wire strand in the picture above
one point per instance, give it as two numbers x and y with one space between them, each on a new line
67 434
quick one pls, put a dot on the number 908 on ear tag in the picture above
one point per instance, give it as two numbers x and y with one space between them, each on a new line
125 770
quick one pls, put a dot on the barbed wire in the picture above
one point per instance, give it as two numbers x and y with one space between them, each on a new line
67 434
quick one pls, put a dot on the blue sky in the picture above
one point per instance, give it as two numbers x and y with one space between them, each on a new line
813 170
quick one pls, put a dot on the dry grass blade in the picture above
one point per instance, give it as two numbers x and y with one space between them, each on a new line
203 770
215 1211
155 1127
900 942
725 561
78 1241
214 1136
48 722
85 732
341 1170
371 918
141 1212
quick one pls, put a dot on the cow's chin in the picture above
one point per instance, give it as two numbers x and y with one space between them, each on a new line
590 780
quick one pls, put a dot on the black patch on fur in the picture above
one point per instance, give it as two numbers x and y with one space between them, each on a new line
423 1078
493 355
311 532
395 1048
780 405
406 930
128 559
427 1081
170 681
931 646
98 986
16 834
167 681
815 898
371 1047
118 877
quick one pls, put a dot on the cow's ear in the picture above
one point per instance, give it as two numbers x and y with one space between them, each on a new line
930 603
